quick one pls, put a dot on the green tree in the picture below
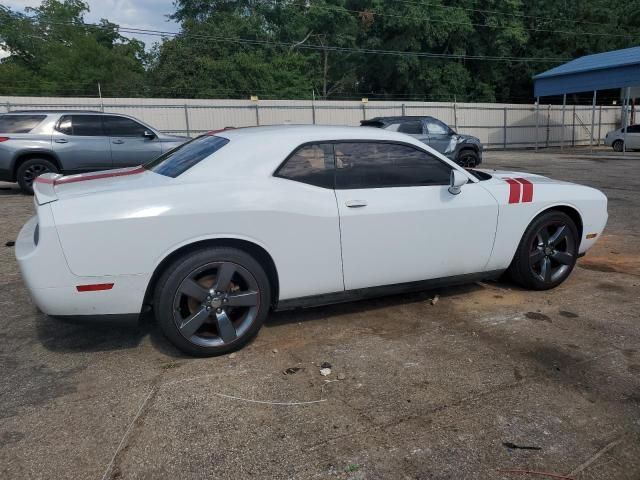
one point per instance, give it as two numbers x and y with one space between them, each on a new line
52 52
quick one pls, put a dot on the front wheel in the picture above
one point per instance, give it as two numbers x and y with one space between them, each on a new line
618 146
212 301
547 252
468 159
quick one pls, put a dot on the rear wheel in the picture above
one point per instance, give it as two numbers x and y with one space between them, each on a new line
468 159
29 170
212 301
547 252
618 146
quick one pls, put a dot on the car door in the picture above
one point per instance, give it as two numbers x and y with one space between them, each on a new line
80 143
633 136
439 135
129 144
398 221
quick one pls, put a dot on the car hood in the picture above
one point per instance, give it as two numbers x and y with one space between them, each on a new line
51 187
461 138
507 175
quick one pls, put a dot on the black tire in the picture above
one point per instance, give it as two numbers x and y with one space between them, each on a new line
618 146
468 159
547 252
30 169
223 327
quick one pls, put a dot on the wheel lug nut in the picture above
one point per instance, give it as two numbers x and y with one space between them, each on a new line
208 308
219 310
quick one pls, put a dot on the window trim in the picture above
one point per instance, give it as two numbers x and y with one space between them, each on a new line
108 134
56 127
335 170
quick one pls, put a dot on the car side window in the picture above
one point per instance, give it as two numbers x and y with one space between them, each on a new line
436 127
380 165
123 127
633 129
311 164
412 128
81 125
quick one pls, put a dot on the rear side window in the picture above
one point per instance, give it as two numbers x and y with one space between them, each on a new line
379 165
19 123
312 164
123 127
411 128
182 158
81 125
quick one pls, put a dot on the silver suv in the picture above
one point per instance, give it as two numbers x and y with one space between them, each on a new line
37 141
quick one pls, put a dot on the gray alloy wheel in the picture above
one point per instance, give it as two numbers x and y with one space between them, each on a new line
468 159
29 170
618 146
212 300
215 304
547 251
552 252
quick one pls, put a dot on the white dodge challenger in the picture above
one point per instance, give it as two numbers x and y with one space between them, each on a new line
219 231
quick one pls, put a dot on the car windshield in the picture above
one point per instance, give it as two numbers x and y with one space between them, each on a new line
182 158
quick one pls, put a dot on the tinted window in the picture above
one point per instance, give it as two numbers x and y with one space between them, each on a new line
123 127
312 164
19 123
633 129
182 158
436 127
81 125
375 165
412 128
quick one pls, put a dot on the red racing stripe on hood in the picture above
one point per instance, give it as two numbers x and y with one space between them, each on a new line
527 189
514 190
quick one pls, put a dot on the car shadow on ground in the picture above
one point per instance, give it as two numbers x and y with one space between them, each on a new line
103 335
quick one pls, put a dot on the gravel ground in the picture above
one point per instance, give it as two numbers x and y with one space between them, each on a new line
416 391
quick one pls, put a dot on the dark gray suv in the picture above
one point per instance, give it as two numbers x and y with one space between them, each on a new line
34 142
465 150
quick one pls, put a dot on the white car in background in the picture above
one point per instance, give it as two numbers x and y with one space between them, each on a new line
216 233
615 138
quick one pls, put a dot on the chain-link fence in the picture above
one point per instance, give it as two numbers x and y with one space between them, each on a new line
496 125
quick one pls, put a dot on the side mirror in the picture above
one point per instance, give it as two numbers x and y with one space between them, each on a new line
457 180
149 134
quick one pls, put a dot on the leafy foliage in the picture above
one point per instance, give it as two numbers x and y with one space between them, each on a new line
300 48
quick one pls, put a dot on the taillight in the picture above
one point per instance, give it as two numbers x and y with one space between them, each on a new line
4 139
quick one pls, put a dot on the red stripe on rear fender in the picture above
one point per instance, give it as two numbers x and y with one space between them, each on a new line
98 176
527 189
94 287
514 190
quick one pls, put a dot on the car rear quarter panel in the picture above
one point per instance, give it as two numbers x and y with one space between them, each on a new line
514 218
20 145
131 232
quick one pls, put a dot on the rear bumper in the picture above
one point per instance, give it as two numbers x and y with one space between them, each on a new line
53 287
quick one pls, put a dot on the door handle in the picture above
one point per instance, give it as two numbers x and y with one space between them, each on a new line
61 140
119 142
356 203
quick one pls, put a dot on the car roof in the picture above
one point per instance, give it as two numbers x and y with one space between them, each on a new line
48 111
406 118
308 133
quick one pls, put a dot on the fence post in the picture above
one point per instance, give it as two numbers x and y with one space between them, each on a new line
573 128
564 106
593 119
186 119
404 113
504 128
364 111
599 125
313 111
537 119
455 116
257 114
8 106
548 124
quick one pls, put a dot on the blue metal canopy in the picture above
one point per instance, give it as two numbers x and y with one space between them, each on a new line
602 71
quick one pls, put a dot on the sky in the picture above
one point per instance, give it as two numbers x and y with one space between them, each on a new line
149 14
